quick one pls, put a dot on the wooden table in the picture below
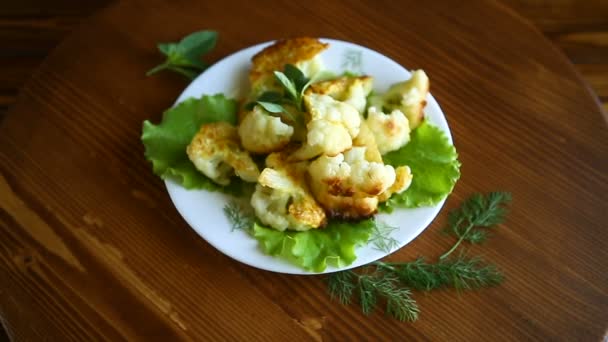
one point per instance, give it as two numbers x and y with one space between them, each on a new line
91 247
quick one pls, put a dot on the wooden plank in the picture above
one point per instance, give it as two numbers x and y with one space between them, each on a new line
91 248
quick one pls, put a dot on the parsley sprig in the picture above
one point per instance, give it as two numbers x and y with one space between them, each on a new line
184 57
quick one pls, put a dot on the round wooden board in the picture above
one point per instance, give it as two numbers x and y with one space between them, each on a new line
92 248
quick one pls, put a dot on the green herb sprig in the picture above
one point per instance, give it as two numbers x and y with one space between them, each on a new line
184 57
478 213
381 238
294 83
392 281
461 273
373 286
239 218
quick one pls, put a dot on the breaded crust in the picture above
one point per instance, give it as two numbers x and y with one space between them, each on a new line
286 51
337 88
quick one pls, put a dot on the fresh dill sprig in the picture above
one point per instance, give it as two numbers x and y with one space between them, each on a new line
461 273
478 213
341 286
381 238
390 282
239 218
372 287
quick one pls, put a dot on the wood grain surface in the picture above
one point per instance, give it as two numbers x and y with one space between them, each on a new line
91 247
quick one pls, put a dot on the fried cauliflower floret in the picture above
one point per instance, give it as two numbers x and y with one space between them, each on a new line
282 199
352 90
215 151
403 180
261 132
347 185
391 131
408 96
366 138
331 128
302 52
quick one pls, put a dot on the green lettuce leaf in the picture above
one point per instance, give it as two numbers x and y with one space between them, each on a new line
434 164
165 144
314 249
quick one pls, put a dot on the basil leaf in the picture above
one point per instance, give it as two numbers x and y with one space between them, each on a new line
191 74
271 96
271 107
167 48
287 84
296 76
193 46
185 57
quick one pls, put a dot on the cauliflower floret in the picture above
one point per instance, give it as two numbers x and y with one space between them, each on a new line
409 97
403 180
352 90
366 139
301 52
215 151
331 127
311 68
391 131
347 185
261 132
323 107
282 199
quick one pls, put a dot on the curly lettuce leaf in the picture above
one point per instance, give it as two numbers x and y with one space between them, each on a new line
434 164
165 144
314 249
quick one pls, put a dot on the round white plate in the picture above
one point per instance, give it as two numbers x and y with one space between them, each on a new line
204 210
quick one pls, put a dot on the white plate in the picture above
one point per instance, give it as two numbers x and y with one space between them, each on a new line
203 210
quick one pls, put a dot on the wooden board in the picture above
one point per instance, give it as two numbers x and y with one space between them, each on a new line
91 247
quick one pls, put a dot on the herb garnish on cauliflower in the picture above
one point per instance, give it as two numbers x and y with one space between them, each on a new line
300 52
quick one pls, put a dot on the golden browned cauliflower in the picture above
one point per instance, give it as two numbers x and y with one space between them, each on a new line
282 200
347 185
403 180
391 131
331 128
261 132
302 52
351 90
366 138
215 151
409 97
